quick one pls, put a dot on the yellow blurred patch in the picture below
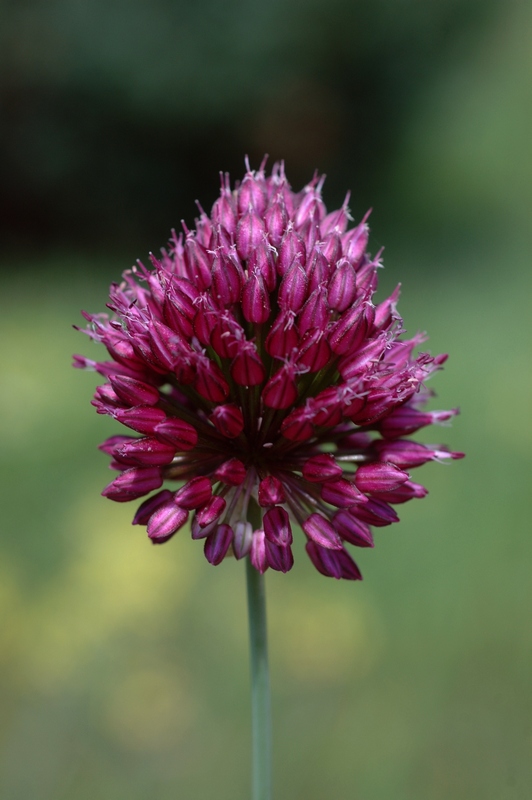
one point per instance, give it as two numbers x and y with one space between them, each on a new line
151 709
319 638
115 583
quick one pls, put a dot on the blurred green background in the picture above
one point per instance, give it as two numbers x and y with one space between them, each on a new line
124 667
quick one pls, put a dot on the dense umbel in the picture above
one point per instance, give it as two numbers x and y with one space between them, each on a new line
264 382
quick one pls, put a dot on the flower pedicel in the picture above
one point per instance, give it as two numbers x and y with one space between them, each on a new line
260 378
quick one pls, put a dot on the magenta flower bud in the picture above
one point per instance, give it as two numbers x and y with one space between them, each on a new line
333 563
217 544
134 392
310 230
368 355
379 477
105 400
406 419
283 336
318 269
255 299
198 262
377 404
277 526
210 381
341 493
342 287
276 219
277 185
355 241
224 211
80 362
315 312
250 232
337 221
183 293
404 453
350 330
352 529
314 352
252 194
250 357
204 228
181 435
232 472
332 247
211 511
318 469
279 557
271 492
367 277
293 288
311 205
194 493
144 348
243 535
247 368
114 443
197 532
226 335
297 426
328 405
376 512
166 345
143 419
205 319
321 531
147 452
401 352
407 491
227 278
228 420
386 312
221 240
133 483
354 407
261 260
147 508
257 554
124 353
166 521
292 250
281 390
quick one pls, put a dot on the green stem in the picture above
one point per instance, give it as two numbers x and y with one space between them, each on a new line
260 685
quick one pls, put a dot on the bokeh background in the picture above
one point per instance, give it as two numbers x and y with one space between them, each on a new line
124 668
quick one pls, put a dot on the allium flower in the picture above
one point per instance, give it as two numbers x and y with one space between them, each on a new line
262 378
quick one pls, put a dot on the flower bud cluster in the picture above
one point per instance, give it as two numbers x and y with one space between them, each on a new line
260 376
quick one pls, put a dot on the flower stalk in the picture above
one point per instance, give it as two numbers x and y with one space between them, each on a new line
261 734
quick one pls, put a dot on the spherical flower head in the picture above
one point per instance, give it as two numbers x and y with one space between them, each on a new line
261 384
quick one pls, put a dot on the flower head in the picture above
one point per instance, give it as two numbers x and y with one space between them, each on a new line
254 370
